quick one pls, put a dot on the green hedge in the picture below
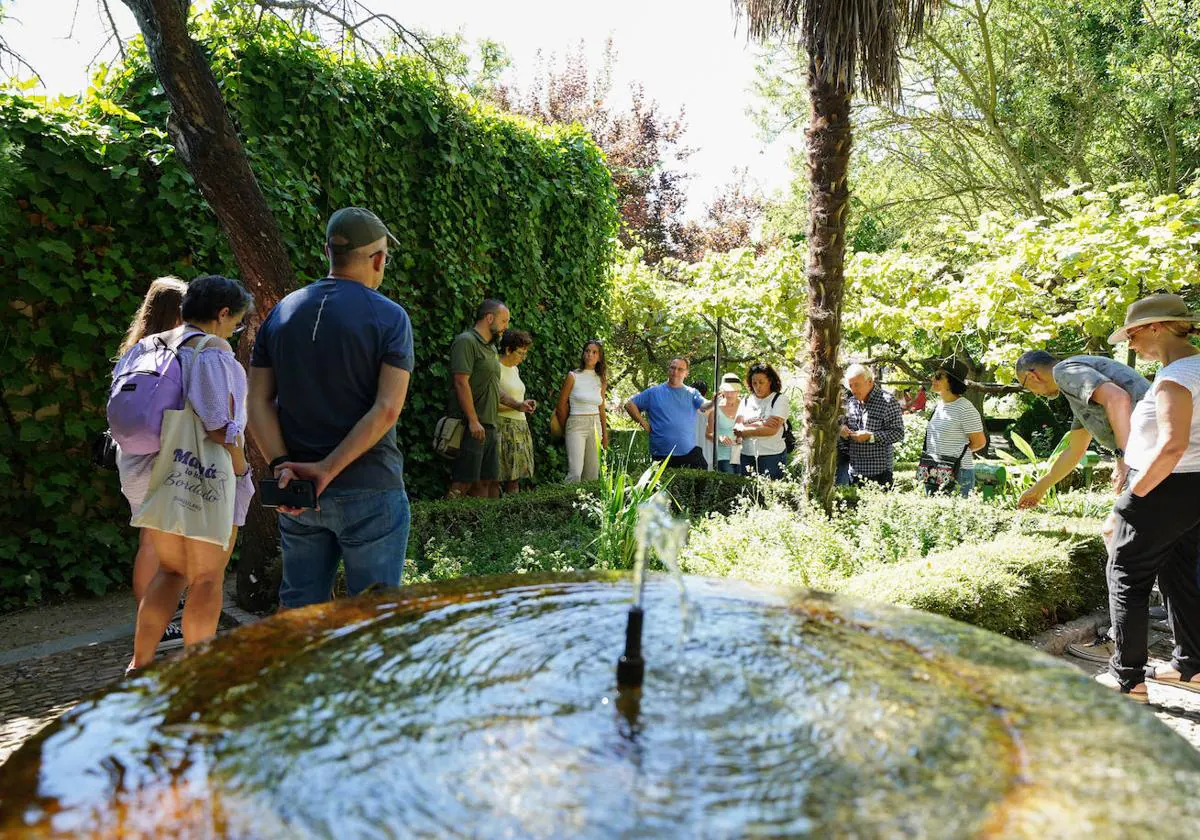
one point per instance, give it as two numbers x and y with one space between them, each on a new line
1013 574
94 204
1017 585
940 553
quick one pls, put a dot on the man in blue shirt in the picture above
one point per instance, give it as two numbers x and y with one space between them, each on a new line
328 378
670 418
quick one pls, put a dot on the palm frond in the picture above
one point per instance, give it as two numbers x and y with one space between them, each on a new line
852 44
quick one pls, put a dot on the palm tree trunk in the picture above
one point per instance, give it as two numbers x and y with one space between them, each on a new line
829 139
207 143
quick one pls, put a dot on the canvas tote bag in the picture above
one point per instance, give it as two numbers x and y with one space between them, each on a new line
192 483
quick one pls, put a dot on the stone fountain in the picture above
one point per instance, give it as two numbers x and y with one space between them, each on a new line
489 708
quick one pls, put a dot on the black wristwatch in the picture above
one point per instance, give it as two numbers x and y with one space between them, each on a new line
277 461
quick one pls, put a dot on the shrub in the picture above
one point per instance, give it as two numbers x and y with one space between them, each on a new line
1042 422
890 526
451 537
908 451
699 492
890 537
1017 585
773 544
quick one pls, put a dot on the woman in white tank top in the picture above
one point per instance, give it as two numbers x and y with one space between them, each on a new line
580 411
1154 529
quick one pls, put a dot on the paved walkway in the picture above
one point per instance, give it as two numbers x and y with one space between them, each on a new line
37 691
42 681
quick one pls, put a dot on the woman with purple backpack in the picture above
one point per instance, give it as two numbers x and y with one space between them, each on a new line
212 387
159 313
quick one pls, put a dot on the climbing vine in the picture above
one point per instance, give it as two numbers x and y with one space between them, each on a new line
97 205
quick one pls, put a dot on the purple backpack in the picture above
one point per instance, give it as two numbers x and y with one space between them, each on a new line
148 380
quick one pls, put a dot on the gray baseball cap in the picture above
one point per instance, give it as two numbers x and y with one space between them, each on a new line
354 227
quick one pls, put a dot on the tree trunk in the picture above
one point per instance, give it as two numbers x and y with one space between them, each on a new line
205 139
829 139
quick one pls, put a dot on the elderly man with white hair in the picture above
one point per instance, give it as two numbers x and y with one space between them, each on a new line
874 424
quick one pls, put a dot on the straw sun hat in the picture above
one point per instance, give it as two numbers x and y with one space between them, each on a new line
1152 310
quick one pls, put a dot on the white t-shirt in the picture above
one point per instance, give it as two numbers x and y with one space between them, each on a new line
753 408
949 427
585 394
1143 424
511 384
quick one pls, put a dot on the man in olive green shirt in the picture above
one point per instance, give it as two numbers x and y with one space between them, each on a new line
475 399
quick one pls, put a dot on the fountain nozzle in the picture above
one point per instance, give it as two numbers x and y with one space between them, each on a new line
631 668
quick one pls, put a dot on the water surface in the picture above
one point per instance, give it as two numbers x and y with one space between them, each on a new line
488 708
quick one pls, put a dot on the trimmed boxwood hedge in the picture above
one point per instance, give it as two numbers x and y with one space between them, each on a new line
1018 585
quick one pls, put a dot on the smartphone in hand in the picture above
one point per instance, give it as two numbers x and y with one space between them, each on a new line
299 493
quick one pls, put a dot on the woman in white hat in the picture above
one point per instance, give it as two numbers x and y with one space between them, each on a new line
1156 521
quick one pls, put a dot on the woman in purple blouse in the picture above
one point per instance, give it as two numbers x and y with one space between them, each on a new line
216 389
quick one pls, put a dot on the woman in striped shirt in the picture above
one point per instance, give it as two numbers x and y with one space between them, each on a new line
955 429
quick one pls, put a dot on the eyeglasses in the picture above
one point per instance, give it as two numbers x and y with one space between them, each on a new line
1133 331
941 374
1022 381
238 330
374 254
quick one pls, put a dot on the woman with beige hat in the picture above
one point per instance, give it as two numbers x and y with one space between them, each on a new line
1155 524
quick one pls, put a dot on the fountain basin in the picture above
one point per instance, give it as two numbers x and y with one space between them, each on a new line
487 707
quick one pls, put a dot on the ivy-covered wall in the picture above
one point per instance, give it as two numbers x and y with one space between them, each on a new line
94 204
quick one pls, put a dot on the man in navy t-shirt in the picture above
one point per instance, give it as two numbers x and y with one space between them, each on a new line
328 378
669 411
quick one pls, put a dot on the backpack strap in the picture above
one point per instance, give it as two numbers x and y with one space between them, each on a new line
186 336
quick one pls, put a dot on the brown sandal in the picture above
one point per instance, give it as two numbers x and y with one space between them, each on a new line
1175 679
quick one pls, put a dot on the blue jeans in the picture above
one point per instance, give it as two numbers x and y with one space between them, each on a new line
724 466
368 529
843 470
770 466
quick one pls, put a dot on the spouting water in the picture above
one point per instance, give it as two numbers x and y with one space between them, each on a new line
665 535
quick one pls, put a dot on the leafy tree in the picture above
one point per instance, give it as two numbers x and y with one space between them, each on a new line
1009 284
1008 101
659 311
478 71
643 146
849 46
733 219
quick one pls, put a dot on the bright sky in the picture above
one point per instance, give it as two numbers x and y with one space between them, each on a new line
685 53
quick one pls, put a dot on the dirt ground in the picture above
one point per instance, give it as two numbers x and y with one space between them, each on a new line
59 621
